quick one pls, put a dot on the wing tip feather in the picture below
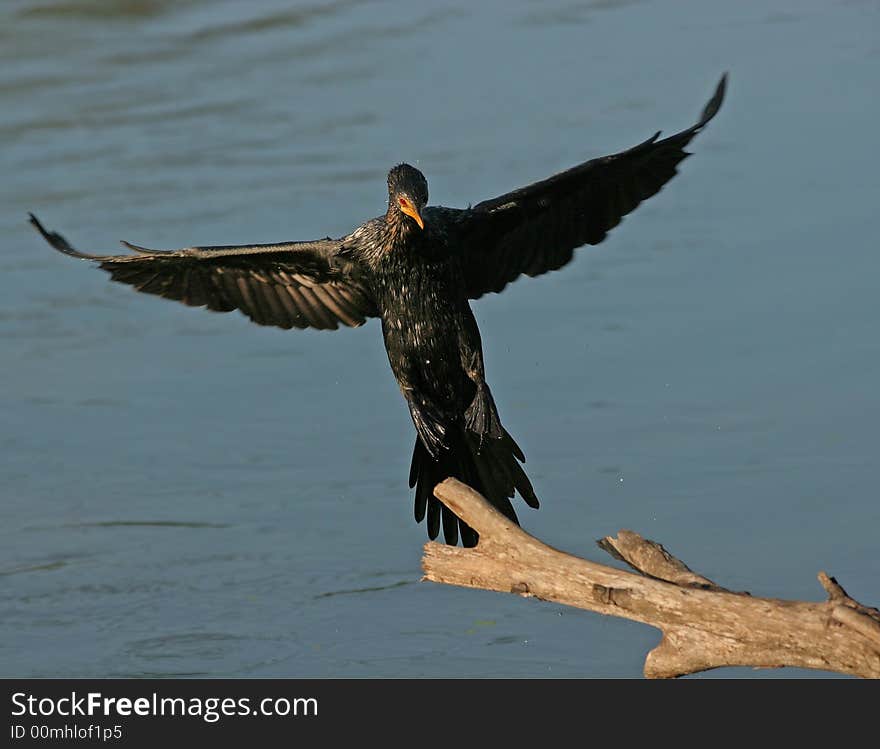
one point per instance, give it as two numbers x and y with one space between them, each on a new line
714 104
58 242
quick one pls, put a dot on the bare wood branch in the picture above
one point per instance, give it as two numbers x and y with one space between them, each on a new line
650 558
704 626
862 619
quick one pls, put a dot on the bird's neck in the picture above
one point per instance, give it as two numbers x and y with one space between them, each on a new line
400 228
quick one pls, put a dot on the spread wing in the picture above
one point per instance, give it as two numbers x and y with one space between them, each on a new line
536 229
289 285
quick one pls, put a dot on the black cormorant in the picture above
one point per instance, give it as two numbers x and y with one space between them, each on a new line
416 268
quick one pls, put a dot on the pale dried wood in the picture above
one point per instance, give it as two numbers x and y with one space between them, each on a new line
704 626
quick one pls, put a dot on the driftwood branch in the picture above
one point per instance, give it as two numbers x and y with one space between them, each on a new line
704 626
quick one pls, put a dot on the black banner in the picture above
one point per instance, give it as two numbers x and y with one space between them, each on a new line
143 712
129 713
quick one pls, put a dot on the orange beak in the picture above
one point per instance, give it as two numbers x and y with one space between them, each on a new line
410 210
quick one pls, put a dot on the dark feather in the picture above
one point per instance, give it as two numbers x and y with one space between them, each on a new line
311 285
536 229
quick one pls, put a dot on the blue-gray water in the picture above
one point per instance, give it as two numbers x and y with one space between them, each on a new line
185 493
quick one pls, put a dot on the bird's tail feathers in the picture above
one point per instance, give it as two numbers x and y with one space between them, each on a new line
491 466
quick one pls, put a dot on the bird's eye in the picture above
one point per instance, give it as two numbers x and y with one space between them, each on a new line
403 202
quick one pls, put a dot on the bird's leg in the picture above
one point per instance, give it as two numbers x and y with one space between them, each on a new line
429 424
427 419
481 416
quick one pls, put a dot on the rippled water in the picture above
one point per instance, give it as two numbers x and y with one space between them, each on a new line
189 494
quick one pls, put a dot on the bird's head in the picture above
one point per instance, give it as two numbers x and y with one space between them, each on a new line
407 193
